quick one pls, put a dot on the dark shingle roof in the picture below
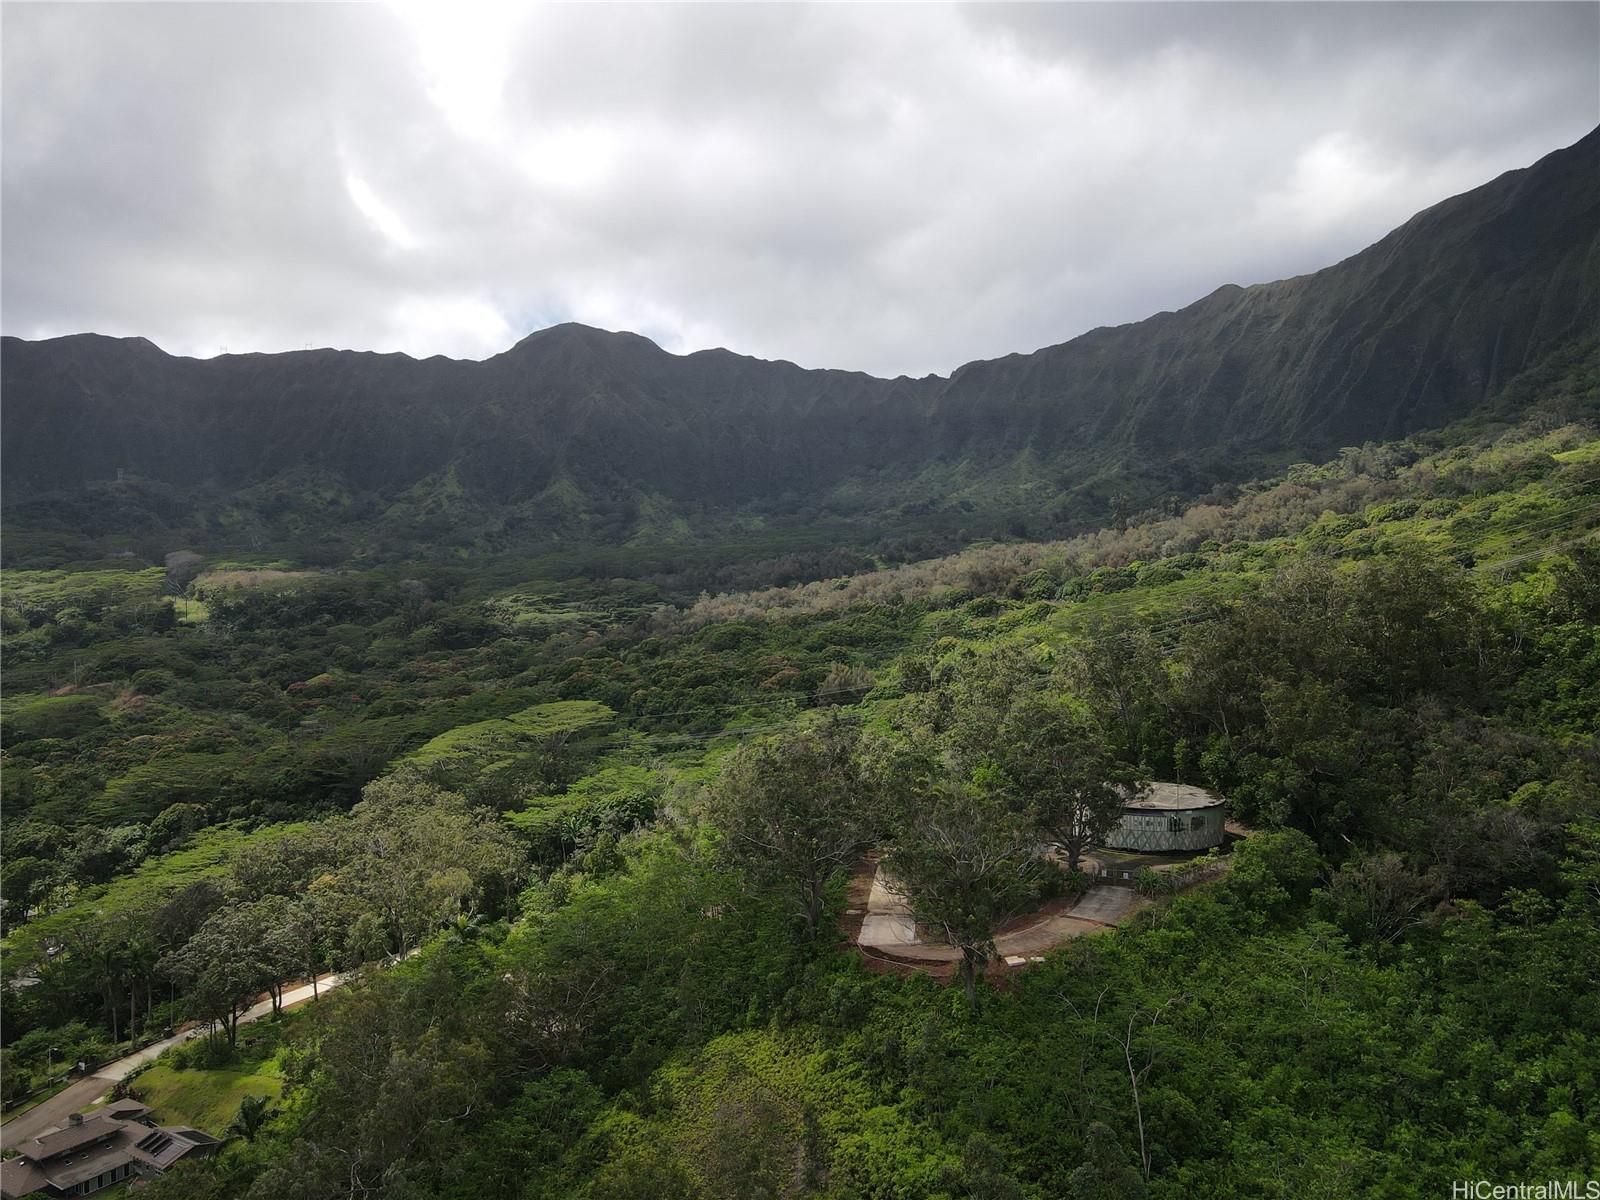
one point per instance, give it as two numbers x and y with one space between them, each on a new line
19 1178
100 1143
70 1137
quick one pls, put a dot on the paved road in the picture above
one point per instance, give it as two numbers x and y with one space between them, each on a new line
84 1092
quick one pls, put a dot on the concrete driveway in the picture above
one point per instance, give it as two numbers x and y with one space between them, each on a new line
1105 904
888 927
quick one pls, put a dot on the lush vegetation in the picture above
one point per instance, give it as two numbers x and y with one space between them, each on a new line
614 816
182 1089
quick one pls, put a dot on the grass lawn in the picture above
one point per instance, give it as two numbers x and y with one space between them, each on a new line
205 1098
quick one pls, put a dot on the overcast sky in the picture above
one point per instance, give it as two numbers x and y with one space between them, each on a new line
894 189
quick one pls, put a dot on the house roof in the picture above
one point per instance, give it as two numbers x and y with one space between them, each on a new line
70 1137
126 1110
1170 797
67 1157
161 1145
19 1177
68 1172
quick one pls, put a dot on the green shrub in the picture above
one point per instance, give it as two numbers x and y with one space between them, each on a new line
15 1081
1153 883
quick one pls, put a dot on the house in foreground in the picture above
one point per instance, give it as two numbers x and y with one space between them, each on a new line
1165 818
95 1151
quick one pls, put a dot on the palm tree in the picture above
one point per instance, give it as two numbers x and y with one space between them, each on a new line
108 961
139 957
571 829
254 1112
465 929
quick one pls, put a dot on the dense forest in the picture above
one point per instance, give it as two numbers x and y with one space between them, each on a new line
583 840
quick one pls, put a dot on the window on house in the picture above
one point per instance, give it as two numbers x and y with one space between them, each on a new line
1197 822
1174 824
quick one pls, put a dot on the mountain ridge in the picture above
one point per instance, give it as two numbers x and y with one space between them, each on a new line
585 327
1423 327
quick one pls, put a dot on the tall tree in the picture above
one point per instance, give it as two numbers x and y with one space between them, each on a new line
108 960
1003 715
1054 755
276 943
1117 666
139 958
419 856
221 968
966 859
311 918
793 810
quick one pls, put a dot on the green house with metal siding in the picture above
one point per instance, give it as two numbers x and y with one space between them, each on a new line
1169 817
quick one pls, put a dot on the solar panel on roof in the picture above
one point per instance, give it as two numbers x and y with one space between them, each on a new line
155 1141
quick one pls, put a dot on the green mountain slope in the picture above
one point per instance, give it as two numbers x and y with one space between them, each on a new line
576 432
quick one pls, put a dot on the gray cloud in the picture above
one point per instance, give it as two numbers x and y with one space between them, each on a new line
895 189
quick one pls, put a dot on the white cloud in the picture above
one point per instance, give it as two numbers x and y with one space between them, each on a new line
464 58
890 188
378 214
